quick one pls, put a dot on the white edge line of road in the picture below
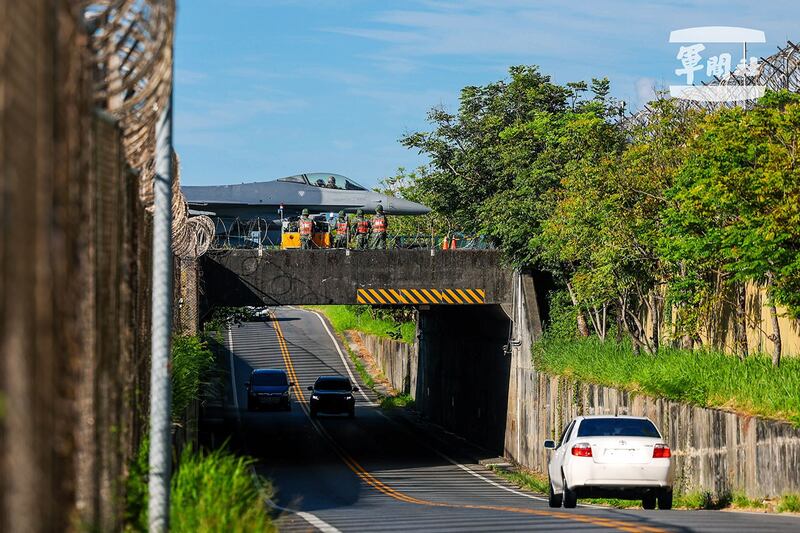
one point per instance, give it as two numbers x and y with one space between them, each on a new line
233 373
498 485
308 517
342 357
314 520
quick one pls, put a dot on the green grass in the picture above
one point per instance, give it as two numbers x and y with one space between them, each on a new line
525 479
741 501
191 360
701 500
214 491
401 400
361 368
704 378
358 317
218 491
789 503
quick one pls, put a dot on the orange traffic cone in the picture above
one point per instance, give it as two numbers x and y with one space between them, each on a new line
453 244
444 243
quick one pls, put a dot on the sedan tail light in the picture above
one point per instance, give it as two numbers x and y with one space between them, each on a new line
661 451
582 449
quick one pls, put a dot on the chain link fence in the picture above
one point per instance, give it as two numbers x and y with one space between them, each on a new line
80 88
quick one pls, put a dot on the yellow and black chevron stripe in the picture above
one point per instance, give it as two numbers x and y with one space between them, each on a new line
420 296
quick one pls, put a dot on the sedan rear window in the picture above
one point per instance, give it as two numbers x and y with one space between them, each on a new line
333 384
269 379
617 427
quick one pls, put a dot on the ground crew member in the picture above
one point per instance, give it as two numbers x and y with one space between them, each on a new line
362 230
306 228
342 231
379 226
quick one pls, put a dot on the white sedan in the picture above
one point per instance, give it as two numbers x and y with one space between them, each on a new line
611 457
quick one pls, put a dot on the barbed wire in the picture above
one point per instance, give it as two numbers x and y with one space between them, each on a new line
239 233
132 45
776 72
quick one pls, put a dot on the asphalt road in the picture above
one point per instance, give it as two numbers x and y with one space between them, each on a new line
385 471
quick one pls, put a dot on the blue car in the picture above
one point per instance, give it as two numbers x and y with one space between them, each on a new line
269 387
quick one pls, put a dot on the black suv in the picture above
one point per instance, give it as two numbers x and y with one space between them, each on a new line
332 394
268 387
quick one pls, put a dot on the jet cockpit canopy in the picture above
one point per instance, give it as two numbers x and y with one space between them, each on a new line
325 180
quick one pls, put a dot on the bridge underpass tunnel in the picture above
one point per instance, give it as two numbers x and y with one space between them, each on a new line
463 373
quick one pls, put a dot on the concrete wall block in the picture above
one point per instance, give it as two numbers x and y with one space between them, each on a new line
715 451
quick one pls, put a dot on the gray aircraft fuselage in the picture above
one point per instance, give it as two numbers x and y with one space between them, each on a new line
294 193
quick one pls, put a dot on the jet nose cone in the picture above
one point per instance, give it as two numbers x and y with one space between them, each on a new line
400 206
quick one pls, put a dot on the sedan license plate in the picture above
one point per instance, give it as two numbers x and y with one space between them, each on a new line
269 399
620 452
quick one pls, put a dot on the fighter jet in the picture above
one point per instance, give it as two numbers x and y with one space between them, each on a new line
318 192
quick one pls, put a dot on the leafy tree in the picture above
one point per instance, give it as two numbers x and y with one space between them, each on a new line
653 222
466 149
737 201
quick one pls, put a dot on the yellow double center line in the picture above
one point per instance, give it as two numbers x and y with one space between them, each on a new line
383 488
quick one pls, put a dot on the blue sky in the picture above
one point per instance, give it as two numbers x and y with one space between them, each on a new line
269 88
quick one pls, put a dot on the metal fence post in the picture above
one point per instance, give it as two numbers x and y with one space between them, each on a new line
160 394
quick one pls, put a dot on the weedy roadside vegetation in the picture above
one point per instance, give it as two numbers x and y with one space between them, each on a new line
218 491
214 491
789 503
364 318
211 491
191 362
400 400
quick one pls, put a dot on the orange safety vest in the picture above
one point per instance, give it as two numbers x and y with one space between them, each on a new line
362 227
379 225
306 226
341 228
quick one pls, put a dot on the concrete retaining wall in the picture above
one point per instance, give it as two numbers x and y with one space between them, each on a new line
715 451
397 360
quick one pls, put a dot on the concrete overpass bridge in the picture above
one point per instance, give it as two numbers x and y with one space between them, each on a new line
384 277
